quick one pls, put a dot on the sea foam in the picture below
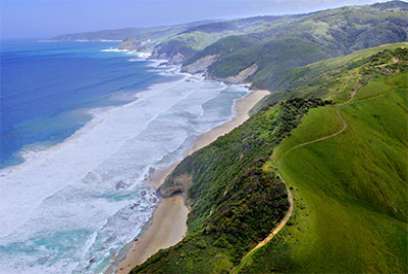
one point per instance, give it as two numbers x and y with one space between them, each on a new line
71 207
139 54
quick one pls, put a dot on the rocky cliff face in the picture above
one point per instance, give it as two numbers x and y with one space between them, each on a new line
137 45
176 52
129 44
180 185
243 75
201 65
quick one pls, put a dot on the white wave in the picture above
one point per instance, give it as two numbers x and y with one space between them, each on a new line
97 40
138 54
71 206
109 40
115 50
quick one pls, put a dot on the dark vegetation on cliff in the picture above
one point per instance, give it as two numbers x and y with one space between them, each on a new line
350 206
234 202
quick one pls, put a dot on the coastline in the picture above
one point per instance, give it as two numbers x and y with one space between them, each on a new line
105 142
168 225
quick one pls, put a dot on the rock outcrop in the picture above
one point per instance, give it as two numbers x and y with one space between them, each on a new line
137 45
201 65
180 184
243 75
176 52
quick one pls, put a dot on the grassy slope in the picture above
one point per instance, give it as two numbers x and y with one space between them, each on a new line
306 39
332 78
350 191
196 39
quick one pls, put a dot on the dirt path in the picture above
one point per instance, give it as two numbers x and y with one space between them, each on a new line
343 128
277 228
344 124
288 214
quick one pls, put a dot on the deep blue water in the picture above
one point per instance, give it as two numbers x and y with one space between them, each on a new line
45 85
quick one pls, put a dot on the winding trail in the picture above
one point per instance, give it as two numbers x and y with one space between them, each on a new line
278 227
344 126
288 214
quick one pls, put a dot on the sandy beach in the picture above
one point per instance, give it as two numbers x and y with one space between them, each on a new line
168 225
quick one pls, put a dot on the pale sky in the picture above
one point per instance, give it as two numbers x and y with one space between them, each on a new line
46 18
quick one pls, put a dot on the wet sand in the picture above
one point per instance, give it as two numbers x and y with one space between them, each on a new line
168 225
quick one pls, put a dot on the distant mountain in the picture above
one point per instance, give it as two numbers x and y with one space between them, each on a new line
114 34
299 40
154 34
187 44
394 5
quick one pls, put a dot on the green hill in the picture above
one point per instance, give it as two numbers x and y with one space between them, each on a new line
306 39
343 159
347 165
241 43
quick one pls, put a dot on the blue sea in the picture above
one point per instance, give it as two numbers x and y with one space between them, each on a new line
45 83
83 127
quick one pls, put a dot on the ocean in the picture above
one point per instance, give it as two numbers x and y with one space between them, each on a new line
83 126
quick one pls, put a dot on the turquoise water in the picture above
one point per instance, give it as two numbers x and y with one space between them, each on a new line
83 129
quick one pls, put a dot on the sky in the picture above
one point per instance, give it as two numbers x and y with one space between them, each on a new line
47 18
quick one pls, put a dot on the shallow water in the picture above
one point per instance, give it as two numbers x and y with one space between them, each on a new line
72 203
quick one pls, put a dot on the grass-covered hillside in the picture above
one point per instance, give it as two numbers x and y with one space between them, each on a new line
189 43
347 166
306 39
310 37
339 146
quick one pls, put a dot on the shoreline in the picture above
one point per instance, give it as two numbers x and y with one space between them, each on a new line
168 225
